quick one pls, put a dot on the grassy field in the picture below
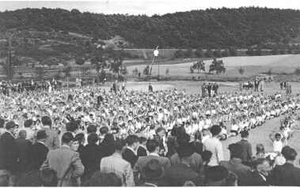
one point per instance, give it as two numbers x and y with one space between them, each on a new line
252 65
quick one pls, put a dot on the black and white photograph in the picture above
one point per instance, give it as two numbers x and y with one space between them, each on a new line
149 93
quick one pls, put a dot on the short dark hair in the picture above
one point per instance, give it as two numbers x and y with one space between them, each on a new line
91 129
101 179
259 161
215 130
72 126
289 153
131 139
120 144
206 155
41 134
49 177
28 123
46 120
80 137
142 139
67 138
244 134
183 139
216 173
159 129
151 145
103 130
93 138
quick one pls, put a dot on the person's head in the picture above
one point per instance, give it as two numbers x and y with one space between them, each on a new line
103 179
215 130
260 148
236 151
120 145
152 171
46 121
152 146
289 153
262 166
28 123
103 130
91 129
67 139
183 139
41 135
216 176
48 177
132 141
277 136
11 126
142 140
72 126
93 138
161 132
22 134
244 134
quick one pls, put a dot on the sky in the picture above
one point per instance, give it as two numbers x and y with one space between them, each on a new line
148 7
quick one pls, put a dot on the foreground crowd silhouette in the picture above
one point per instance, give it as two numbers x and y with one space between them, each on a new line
92 137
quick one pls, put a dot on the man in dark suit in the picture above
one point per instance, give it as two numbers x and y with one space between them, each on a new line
38 151
9 152
246 155
153 148
91 156
259 177
287 174
23 151
130 152
52 141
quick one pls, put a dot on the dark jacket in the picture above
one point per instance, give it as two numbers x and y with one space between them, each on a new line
285 175
23 153
8 152
38 154
129 156
90 158
247 151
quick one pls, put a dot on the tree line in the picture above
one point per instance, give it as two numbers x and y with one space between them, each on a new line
208 29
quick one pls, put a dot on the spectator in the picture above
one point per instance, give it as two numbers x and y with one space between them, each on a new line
287 174
28 128
107 146
65 162
80 140
260 151
52 141
214 145
198 143
116 164
91 156
9 153
72 127
23 146
235 164
130 152
103 131
186 154
101 179
38 151
153 148
246 148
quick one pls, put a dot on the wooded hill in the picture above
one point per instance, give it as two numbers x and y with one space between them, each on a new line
210 28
